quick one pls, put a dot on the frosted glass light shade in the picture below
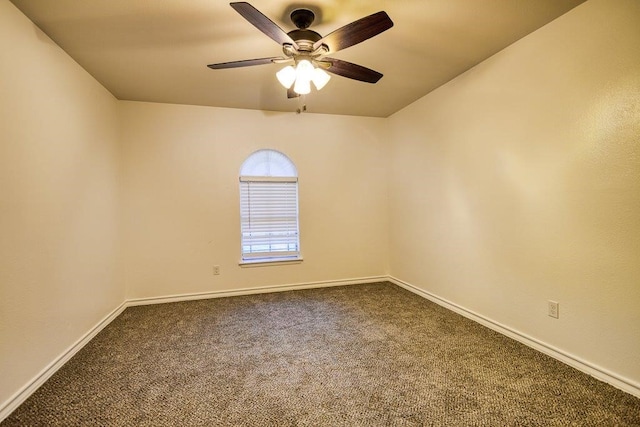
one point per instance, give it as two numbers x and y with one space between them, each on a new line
302 86
304 70
301 77
304 74
286 76
320 78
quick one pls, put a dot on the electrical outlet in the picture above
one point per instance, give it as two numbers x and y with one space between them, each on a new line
216 270
554 308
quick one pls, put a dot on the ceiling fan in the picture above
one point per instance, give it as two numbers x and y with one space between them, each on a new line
306 49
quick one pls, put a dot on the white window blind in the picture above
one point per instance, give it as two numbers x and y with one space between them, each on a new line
269 218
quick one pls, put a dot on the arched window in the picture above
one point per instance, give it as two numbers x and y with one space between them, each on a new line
269 208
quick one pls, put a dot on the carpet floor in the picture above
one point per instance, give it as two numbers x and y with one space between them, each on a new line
360 355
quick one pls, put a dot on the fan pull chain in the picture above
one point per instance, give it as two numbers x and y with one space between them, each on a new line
302 105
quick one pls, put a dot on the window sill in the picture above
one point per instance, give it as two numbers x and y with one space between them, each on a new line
265 263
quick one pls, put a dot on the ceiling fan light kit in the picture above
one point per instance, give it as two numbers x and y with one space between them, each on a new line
307 49
300 77
320 78
287 76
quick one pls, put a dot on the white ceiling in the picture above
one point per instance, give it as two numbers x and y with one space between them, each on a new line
157 51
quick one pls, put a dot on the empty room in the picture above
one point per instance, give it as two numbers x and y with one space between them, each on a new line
320 213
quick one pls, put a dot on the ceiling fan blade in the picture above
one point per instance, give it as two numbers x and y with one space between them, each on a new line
291 93
244 63
350 70
262 23
356 32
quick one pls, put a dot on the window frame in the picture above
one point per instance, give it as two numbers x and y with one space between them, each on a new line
285 220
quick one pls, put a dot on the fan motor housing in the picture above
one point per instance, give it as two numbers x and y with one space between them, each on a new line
303 36
302 18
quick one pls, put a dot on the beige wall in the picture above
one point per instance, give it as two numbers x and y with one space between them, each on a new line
58 201
515 183
181 196
519 182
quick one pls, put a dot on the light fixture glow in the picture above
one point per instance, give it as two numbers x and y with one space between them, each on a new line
301 77
302 86
286 76
320 78
304 73
304 70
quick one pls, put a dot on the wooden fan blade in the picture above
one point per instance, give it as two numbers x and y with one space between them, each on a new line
244 63
261 22
291 93
356 32
351 70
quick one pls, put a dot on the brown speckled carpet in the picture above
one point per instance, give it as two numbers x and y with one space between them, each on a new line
362 355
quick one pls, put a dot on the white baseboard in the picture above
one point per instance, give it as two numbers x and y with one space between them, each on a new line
602 374
21 395
576 362
254 290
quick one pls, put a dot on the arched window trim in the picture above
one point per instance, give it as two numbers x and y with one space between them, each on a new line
268 163
269 209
